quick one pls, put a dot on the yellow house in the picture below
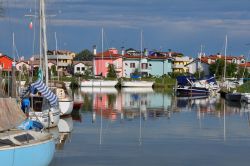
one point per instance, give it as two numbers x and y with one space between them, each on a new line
179 64
62 58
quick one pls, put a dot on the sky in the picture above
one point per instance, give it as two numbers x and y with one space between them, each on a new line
180 25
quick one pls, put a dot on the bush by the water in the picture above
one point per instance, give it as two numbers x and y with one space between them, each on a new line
244 88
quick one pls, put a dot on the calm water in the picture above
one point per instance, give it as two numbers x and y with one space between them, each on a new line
141 127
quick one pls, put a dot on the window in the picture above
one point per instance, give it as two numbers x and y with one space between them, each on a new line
144 65
83 68
242 60
78 69
132 65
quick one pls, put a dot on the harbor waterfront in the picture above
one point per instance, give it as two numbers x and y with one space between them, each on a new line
138 126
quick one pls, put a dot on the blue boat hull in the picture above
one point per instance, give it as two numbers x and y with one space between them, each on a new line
188 92
38 154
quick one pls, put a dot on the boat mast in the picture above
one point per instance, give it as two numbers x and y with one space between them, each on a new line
225 66
141 56
56 58
102 50
44 40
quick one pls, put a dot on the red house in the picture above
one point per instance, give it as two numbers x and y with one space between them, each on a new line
5 62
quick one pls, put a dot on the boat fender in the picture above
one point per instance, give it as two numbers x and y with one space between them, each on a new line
51 117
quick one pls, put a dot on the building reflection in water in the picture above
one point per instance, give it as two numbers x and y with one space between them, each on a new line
128 103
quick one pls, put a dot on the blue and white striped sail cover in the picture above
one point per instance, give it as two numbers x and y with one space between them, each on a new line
45 91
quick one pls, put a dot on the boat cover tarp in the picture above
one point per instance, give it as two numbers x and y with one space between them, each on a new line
211 79
11 115
45 91
182 80
30 124
135 76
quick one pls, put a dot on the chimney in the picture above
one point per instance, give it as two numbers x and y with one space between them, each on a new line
219 55
123 51
94 50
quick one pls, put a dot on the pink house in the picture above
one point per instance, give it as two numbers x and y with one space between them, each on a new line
103 59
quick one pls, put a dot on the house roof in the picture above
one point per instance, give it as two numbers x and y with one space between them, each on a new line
202 60
247 64
6 56
59 52
87 63
107 54
228 57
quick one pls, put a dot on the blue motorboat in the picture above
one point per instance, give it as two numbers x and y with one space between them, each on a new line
188 86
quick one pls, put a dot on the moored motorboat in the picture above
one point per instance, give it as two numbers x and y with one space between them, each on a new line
245 97
98 83
137 83
235 96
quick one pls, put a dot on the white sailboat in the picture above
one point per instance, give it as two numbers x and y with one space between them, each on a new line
64 99
137 83
99 82
44 106
21 147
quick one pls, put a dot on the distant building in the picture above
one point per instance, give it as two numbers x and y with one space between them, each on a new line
198 65
62 58
159 65
5 62
230 59
20 66
102 60
80 67
179 64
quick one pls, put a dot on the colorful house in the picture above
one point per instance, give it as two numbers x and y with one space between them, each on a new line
230 59
159 65
102 61
5 62
132 63
179 64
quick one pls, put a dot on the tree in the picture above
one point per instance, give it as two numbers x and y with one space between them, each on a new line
242 72
53 70
218 69
111 71
84 55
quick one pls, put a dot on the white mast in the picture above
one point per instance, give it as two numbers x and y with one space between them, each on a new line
141 56
102 50
56 58
225 66
43 39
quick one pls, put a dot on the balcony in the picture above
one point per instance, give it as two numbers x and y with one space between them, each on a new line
178 66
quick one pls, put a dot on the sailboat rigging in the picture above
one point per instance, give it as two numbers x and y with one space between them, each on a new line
99 82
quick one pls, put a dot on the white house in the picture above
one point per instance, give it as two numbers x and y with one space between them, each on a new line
22 65
80 67
198 65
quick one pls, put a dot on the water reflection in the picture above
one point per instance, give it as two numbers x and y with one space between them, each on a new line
62 132
144 125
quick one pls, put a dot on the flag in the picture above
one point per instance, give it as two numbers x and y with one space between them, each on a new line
31 25
40 74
